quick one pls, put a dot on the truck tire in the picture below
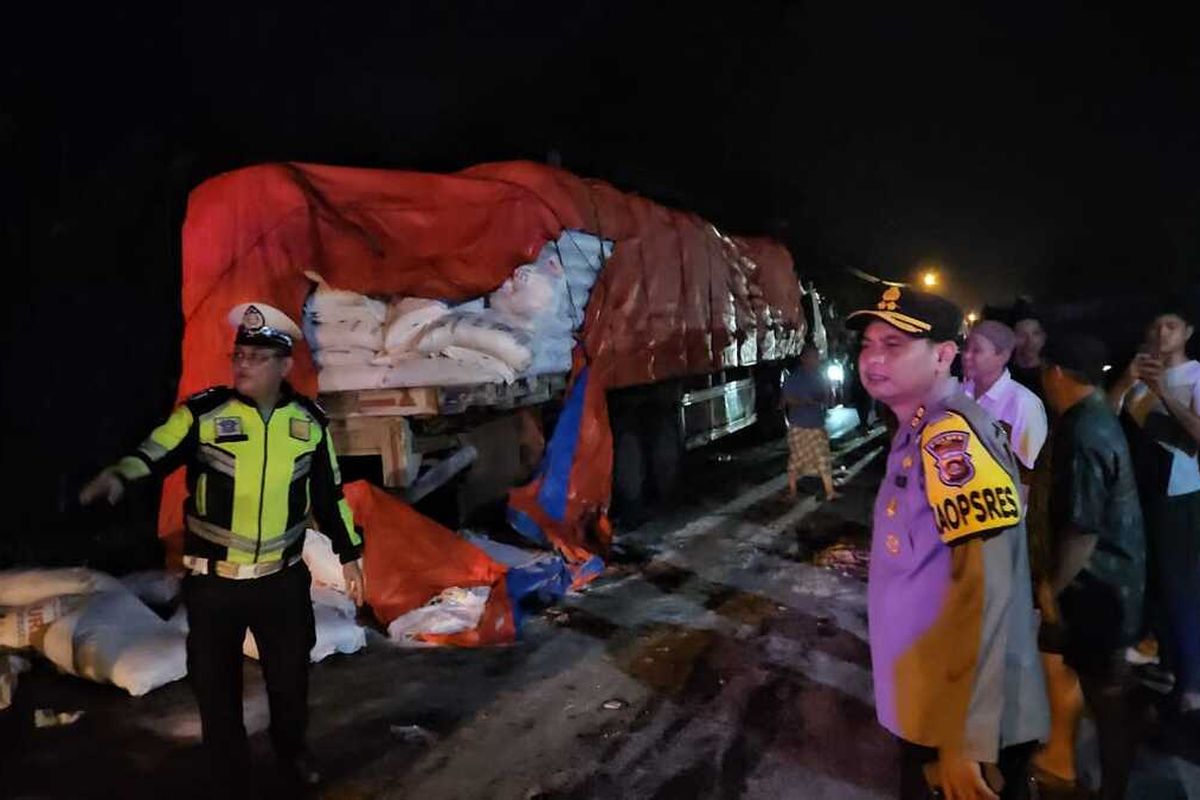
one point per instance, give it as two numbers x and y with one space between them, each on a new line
666 457
629 478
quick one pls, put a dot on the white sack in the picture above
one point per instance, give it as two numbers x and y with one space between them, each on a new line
114 638
486 333
409 318
155 587
23 587
343 356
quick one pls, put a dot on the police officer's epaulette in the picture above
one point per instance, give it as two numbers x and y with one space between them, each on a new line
312 407
208 399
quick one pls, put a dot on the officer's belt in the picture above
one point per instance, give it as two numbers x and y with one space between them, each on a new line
227 538
237 572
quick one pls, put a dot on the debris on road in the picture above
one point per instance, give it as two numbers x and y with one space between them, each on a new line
414 734
10 667
49 718
616 704
847 559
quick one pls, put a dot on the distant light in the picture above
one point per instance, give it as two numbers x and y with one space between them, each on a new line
929 279
972 317
835 373
1106 368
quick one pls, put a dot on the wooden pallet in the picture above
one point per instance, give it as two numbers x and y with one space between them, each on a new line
374 422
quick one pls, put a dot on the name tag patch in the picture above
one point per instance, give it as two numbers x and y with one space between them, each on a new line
229 429
301 429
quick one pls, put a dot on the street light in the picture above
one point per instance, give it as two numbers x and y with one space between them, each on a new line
929 279
972 318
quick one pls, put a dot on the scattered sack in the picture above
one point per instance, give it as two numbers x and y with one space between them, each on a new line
23 587
154 587
22 628
455 610
113 637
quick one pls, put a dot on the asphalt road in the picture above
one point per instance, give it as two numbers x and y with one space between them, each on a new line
714 659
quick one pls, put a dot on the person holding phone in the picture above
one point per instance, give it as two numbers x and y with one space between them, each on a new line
1160 394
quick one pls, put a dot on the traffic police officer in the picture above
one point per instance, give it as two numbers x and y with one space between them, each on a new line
260 462
952 628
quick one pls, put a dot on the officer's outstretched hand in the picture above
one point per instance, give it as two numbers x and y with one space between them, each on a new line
354 582
107 485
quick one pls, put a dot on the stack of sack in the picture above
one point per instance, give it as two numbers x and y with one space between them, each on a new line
524 328
344 329
90 624
94 626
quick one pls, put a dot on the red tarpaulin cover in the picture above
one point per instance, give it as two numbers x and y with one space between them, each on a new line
409 559
676 298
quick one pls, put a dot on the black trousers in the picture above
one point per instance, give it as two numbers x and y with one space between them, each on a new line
278 610
1013 764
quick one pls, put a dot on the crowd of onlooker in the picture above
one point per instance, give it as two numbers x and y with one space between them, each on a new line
1111 481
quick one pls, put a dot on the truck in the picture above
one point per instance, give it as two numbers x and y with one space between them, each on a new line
687 329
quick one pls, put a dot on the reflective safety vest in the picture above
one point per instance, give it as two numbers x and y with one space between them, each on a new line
254 480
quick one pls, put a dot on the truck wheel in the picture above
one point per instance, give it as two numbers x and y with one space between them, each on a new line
666 458
629 478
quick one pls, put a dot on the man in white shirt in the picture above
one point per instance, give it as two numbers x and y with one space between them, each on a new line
1160 391
987 381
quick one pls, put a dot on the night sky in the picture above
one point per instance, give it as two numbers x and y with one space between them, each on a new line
1026 150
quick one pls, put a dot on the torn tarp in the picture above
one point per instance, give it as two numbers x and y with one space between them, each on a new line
410 561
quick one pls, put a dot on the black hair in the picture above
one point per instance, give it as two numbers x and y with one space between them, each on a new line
1175 311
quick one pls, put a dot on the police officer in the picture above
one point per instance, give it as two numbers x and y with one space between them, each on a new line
260 463
952 628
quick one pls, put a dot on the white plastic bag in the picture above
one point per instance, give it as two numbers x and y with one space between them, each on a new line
455 610
115 638
323 564
551 354
336 633
535 298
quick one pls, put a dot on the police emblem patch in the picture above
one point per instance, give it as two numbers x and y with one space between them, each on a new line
253 319
228 426
949 451
301 429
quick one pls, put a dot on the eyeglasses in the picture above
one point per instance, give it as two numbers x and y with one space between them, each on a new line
253 359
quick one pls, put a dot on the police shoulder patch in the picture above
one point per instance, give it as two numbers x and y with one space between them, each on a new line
207 399
314 408
969 490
